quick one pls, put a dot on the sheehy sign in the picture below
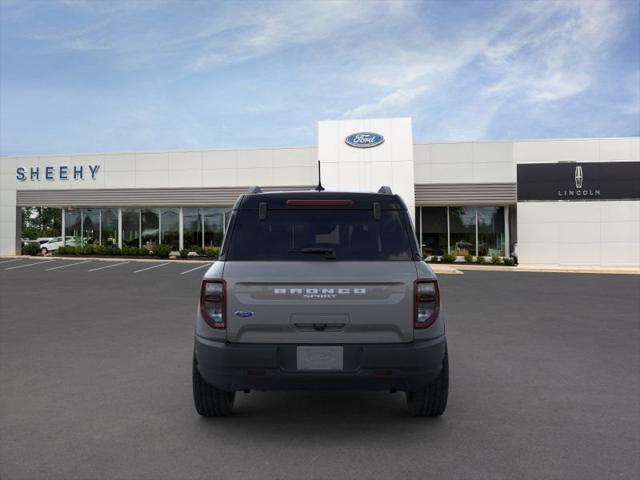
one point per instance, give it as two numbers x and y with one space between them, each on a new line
61 172
575 181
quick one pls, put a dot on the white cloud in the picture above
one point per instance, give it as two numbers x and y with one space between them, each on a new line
551 55
457 74
395 99
275 26
631 89
534 51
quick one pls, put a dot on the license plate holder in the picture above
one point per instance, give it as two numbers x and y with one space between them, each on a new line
320 357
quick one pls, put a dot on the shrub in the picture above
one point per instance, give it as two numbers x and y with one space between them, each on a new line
68 250
199 250
144 251
31 249
509 261
163 251
468 258
448 258
496 260
481 260
212 252
89 250
130 251
183 253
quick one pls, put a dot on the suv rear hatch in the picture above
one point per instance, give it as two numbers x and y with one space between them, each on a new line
313 302
309 273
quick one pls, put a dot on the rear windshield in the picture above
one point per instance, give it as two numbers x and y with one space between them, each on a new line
347 235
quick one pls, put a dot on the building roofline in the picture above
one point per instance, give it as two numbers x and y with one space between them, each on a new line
518 140
146 152
297 147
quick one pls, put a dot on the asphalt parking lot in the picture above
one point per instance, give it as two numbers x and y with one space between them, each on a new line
95 368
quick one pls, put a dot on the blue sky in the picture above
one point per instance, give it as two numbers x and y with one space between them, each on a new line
99 76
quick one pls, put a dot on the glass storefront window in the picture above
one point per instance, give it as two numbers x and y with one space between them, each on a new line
192 228
131 227
109 227
72 226
417 224
90 226
146 226
434 231
462 226
227 217
213 226
170 227
150 220
490 231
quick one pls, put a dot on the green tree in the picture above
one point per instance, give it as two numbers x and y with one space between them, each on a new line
41 222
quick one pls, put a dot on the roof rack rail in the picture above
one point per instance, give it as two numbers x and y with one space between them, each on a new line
254 189
386 190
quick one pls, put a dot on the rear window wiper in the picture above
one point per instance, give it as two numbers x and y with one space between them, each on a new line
329 253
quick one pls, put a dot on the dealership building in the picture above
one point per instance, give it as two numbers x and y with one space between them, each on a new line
556 202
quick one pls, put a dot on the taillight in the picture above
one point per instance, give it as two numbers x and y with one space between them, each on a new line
426 303
213 303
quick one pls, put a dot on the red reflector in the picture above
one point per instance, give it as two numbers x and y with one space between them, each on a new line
319 203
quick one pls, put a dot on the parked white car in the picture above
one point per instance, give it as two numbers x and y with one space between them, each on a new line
52 245
57 242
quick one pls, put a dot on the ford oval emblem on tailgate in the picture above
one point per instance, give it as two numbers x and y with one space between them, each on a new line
243 314
364 139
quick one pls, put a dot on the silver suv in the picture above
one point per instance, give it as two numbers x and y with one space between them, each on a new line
320 290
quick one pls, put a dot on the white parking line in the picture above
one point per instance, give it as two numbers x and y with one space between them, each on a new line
65 266
149 268
30 264
197 268
9 261
108 266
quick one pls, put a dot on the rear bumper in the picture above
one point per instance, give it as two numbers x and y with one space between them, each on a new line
406 366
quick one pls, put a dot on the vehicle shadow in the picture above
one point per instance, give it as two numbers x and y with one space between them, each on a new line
344 416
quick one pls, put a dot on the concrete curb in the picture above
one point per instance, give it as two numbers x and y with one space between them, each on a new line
449 268
446 269
110 259
536 268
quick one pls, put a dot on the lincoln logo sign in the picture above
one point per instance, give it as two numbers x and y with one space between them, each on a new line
364 139
579 177
568 181
62 172
579 191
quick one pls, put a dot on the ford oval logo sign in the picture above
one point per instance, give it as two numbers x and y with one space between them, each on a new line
364 139
243 313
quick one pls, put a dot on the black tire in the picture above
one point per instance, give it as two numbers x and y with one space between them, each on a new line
209 401
432 401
